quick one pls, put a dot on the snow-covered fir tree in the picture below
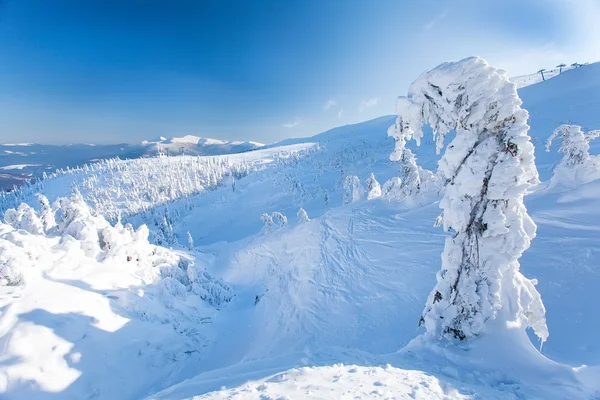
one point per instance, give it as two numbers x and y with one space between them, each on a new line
413 179
190 241
46 213
487 169
25 218
302 216
267 221
353 190
373 187
577 165
391 186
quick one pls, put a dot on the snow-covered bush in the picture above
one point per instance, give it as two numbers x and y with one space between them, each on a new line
353 190
577 165
373 187
84 238
24 218
487 169
216 292
302 216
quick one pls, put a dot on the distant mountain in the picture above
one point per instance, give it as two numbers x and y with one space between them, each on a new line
23 161
197 146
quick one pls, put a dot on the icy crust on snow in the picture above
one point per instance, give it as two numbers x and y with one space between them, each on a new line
487 167
71 227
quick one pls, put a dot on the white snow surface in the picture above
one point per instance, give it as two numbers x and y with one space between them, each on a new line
198 146
18 166
320 308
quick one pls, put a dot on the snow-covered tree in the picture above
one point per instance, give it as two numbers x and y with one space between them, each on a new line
373 187
577 165
414 180
353 190
190 240
273 221
391 186
487 169
302 216
46 213
267 221
25 218
279 218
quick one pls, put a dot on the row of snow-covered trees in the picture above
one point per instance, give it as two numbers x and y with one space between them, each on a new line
116 187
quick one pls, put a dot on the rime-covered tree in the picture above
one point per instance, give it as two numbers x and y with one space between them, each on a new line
279 218
487 169
25 218
413 179
373 187
391 187
46 213
190 240
353 190
577 165
267 221
302 216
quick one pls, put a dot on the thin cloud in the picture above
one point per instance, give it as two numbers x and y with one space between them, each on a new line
340 113
330 103
434 21
292 123
364 104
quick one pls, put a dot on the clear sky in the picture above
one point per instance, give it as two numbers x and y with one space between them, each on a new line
111 71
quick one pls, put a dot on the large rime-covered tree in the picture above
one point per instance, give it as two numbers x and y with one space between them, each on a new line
487 168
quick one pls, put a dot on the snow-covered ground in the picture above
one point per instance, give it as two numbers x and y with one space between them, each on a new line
30 160
531 79
326 308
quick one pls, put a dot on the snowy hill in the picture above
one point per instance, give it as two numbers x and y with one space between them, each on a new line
197 146
211 300
24 161
531 79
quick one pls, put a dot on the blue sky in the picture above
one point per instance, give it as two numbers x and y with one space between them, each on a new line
127 70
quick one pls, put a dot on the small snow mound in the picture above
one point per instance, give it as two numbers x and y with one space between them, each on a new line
343 381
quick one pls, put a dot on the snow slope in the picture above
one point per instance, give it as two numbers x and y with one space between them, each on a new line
33 160
197 146
315 309
531 79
